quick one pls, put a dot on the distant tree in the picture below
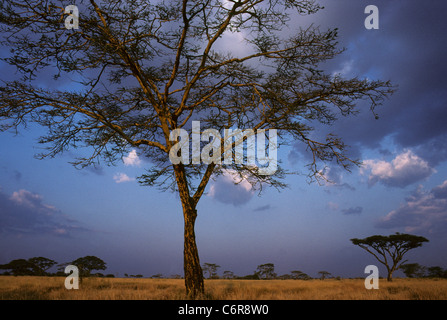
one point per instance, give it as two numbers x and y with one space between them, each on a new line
157 276
413 270
299 275
97 274
254 276
20 267
324 274
42 264
34 266
211 268
437 272
87 264
389 250
266 271
228 274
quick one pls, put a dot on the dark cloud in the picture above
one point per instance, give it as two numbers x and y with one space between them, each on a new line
440 192
423 211
434 150
353 210
409 50
263 208
334 175
96 169
14 174
25 212
17 175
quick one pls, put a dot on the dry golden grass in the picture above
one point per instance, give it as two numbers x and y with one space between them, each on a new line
52 288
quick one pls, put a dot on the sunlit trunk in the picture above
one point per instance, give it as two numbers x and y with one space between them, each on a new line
390 273
191 263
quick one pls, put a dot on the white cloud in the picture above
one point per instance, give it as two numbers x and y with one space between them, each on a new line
122 177
32 201
346 70
231 188
24 197
423 211
332 205
407 168
132 159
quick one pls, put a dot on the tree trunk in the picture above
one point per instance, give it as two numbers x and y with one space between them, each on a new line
390 274
191 264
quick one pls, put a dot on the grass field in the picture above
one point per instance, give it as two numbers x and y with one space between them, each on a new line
52 288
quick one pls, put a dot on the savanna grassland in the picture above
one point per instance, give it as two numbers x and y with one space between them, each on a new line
52 288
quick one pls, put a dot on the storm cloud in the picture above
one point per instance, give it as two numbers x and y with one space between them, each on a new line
25 212
423 211
408 49
352 210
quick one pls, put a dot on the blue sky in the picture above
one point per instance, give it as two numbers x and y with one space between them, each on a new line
48 208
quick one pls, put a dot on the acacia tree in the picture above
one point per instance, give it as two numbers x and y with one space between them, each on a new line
87 264
227 274
42 264
299 275
266 271
413 270
324 274
34 266
143 69
211 268
390 250
20 267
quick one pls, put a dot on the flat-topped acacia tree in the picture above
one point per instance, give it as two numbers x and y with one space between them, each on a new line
142 69
390 250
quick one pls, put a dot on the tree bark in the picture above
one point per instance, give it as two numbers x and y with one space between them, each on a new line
390 274
191 264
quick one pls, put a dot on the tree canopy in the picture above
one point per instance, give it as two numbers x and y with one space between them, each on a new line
34 266
390 250
87 264
142 70
266 271
211 269
19 267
